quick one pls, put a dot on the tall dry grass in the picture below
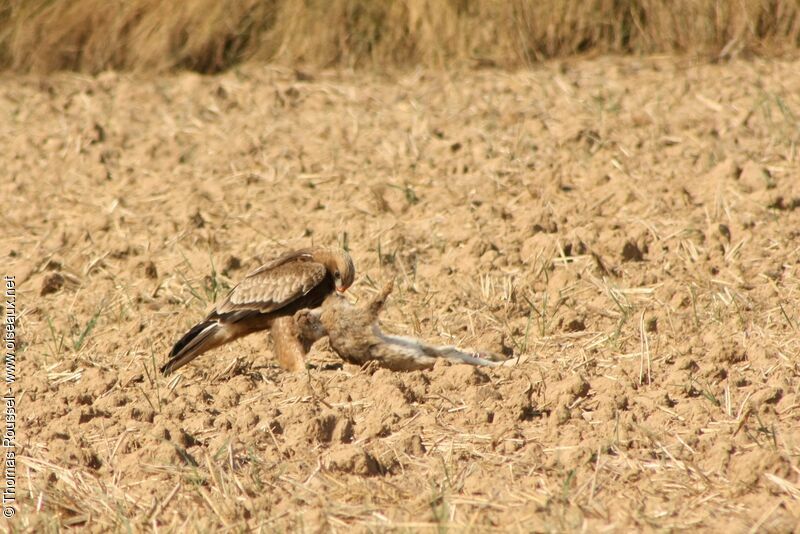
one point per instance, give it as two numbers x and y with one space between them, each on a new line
211 35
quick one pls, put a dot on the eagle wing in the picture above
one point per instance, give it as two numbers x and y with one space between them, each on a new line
272 286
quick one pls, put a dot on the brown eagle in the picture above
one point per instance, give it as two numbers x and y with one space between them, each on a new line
296 280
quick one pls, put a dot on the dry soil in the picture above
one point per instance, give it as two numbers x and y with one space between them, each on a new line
628 226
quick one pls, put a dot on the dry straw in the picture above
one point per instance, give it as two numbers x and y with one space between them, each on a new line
212 35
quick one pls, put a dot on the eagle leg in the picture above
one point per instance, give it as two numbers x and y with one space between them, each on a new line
289 349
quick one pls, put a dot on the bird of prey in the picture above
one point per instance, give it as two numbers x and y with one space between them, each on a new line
296 280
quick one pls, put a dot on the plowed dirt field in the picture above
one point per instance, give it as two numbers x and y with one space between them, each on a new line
627 228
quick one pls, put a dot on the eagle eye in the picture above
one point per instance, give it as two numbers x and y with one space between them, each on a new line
336 275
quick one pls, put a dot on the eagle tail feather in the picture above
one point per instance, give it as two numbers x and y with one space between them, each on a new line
200 338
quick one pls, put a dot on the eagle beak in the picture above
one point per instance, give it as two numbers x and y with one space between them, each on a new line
341 289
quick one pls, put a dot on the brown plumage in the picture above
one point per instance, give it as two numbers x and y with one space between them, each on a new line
297 280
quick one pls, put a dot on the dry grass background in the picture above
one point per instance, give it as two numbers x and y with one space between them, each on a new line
211 35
